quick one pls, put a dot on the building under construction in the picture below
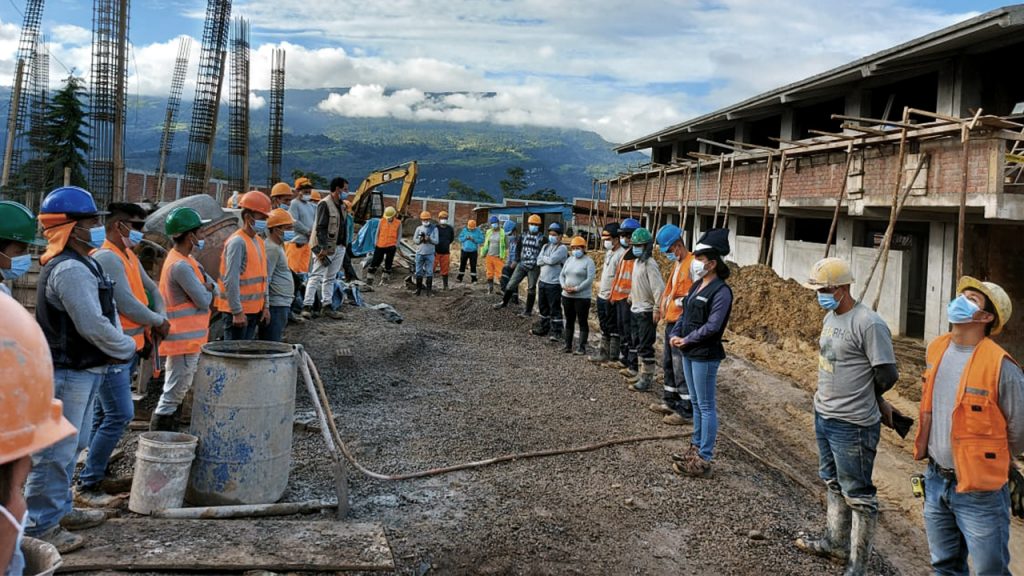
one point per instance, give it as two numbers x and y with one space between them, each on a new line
925 127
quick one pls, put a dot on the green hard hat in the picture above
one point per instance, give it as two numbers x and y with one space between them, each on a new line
18 223
182 220
641 236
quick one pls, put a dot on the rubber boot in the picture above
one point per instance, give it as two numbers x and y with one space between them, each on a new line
556 330
430 285
602 350
490 286
459 277
568 342
444 281
531 297
419 285
614 348
646 375
542 327
163 423
835 543
581 349
862 534
472 277
385 278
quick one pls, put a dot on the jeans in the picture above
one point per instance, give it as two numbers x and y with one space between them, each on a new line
246 331
676 394
48 489
113 411
701 380
273 331
425 265
846 456
321 279
468 258
532 275
606 318
974 523
645 332
624 322
179 371
577 311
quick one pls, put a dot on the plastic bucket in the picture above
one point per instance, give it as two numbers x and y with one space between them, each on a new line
162 464
41 558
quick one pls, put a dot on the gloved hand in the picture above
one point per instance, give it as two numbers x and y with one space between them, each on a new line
1016 492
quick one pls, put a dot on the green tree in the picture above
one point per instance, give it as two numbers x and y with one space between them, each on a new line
515 184
65 138
544 194
459 190
319 182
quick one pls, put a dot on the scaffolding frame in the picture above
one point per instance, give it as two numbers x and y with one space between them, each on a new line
275 134
171 114
17 111
107 87
238 131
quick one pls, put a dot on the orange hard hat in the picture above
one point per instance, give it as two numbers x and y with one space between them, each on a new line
303 182
534 219
279 217
256 201
578 242
471 224
280 189
30 418
442 214
315 196
425 215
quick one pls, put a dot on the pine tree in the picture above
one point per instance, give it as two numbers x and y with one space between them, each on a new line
66 137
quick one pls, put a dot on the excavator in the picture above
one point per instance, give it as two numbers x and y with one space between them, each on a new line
368 201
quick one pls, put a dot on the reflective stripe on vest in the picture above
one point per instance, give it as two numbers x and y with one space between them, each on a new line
252 283
981 449
678 287
133 271
387 232
189 324
623 280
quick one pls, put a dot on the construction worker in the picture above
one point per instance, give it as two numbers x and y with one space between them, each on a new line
610 335
141 310
282 287
389 234
856 364
675 405
443 256
644 298
470 239
75 308
495 250
281 196
425 238
626 361
188 292
17 231
577 281
242 288
298 251
972 425
698 333
552 255
350 227
232 201
330 240
31 420
530 245
511 256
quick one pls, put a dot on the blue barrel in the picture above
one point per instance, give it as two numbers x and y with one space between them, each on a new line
243 403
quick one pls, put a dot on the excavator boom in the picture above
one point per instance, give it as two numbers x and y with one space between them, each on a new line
367 204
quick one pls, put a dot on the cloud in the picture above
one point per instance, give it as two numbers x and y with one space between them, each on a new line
256 102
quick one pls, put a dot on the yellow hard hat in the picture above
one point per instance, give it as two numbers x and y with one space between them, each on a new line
303 182
578 242
425 215
442 214
279 217
533 219
995 294
280 189
389 212
316 196
828 273
471 224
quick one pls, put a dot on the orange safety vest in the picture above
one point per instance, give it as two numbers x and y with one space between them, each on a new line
133 270
981 449
252 283
678 287
298 257
387 232
189 324
623 280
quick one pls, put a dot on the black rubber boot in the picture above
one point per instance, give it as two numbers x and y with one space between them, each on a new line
430 285
419 285
459 277
568 342
444 281
472 277
490 286
581 350
531 296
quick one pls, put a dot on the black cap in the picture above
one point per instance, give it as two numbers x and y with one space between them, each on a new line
612 228
714 242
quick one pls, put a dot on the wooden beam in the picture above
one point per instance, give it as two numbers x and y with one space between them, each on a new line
838 135
875 121
863 129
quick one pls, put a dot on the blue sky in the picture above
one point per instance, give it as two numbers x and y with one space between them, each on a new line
621 68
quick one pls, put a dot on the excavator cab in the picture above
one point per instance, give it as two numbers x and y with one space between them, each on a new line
368 201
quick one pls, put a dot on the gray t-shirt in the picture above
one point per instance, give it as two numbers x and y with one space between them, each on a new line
947 385
851 345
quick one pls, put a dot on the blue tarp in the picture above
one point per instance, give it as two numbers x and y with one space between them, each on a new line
366 239
564 209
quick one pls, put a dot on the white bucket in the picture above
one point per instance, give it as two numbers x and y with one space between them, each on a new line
162 464
41 558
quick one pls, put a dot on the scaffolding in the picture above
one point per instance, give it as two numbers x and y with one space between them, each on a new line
206 104
238 139
171 115
276 132
107 100
36 171
18 109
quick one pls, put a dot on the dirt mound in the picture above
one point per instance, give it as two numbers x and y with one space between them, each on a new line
773 310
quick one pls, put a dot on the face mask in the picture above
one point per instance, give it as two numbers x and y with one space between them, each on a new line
343 195
552 239
306 198
608 244
578 253
425 223
534 228
19 266
200 244
17 564
638 251
97 236
442 221
827 301
133 239
285 205
961 310
260 226
289 235
494 226
671 257
697 270
624 242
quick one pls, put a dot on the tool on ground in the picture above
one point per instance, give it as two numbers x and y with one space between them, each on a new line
917 485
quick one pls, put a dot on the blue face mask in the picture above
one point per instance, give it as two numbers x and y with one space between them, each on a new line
260 226
553 239
97 236
671 257
19 266
827 301
624 242
494 225
134 237
534 228
285 205
578 253
638 251
961 310
289 235
17 563
200 244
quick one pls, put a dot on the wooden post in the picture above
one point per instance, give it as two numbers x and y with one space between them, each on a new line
718 191
680 185
839 198
661 199
12 124
961 222
764 214
67 176
695 194
728 200
120 65
643 197
593 192
778 205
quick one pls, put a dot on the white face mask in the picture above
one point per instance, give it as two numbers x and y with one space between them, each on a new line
443 221
697 270
608 244
17 564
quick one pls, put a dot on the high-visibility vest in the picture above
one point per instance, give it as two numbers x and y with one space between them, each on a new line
387 232
623 280
678 287
981 449
252 283
298 257
133 271
190 325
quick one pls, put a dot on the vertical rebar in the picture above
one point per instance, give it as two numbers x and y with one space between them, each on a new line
238 131
206 104
171 115
276 132
18 110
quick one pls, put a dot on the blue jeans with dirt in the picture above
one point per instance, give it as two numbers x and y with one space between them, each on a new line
846 458
48 489
425 265
114 410
975 524
701 381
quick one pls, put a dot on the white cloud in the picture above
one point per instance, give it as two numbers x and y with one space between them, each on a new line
70 34
256 102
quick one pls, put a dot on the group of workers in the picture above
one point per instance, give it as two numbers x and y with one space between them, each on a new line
65 376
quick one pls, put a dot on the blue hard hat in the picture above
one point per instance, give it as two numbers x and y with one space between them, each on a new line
493 220
70 200
555 226
510 225
628 225
667 236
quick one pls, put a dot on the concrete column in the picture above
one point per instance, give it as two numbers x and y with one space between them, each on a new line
959 88
732 224
743 132
843 244
941 264
789 127
858 103
779 247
